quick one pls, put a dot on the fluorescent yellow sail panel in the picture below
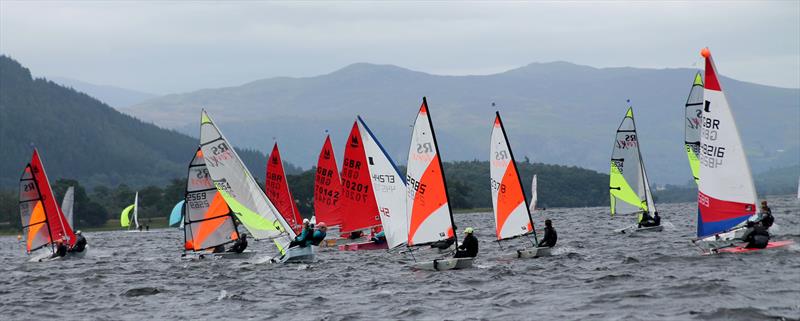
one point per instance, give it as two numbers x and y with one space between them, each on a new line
124 219
620 189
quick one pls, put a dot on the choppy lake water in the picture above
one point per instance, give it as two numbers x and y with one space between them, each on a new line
595 274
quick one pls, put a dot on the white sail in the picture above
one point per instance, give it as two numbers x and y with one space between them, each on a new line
511 216
428 208
629 188
389 187
136 210
727 195
67 204
534 194
241 192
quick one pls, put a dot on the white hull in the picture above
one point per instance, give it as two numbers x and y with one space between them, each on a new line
299 255
533 252
219 256
445 264
46 256
720 240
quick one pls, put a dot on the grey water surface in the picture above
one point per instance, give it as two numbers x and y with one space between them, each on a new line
594 275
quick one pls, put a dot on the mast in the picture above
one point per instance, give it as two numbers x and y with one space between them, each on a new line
519 178
441 169
645 181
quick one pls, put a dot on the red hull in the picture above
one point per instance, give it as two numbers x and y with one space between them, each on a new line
771 245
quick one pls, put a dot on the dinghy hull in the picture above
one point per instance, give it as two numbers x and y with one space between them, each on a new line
636 229
363 246
742 249
533 252
445 264
299 255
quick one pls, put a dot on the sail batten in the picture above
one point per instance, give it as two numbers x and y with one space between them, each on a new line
726 194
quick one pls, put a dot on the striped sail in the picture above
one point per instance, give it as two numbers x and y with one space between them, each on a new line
208 221
389 187
42 220
67 203
430 218
239 189
511 214
277 189
327 187
359 208
694 111
726 196
628 186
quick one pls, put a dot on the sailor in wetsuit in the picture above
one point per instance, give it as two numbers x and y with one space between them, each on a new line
648 221
61 249
305 236
766 215
468 248
240 244
756 236
80 242
550 235
319 234
379 238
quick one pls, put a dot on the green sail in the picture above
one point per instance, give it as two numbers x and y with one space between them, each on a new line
124 218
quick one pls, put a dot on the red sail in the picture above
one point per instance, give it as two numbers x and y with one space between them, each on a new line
59 227
277 189
359 208
327 187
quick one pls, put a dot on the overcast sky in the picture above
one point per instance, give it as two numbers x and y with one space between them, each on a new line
164 47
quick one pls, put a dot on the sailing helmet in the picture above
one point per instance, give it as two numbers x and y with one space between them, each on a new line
306 221
78 232
469 230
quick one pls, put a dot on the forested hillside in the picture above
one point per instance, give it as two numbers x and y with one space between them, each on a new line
82 138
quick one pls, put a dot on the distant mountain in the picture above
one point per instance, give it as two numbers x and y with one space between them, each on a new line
558 113
113 96
82 138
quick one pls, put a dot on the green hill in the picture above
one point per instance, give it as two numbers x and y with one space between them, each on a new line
82 138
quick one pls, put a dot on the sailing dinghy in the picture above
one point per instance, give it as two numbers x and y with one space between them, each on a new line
130 215
277 189
694 112
628 187
328 191
244 197
67 204
726 196
428 206
512 216
359 207
389 188
43 223
208 222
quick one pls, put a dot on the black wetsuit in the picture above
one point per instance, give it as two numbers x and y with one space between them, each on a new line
469 248
550 237
240 245
80 244
768 219
61 251
756 237
443 244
